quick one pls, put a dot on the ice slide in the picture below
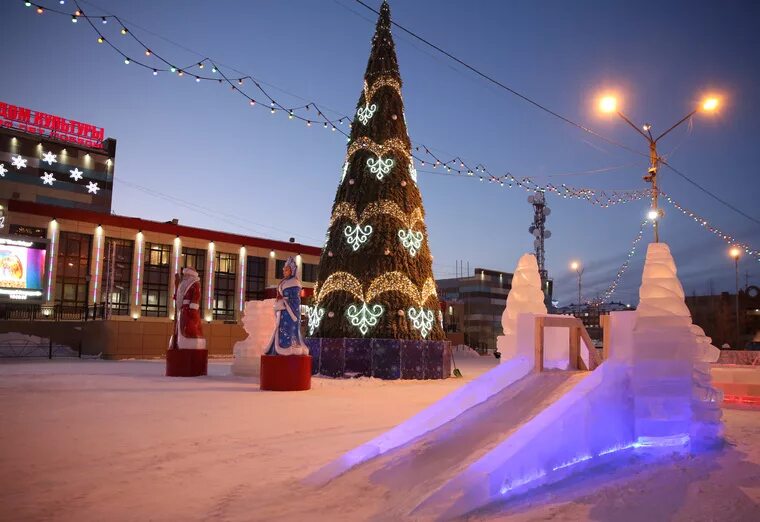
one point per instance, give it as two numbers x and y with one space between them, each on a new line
401 469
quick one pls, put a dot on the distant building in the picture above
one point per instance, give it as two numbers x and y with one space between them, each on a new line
590 314
55 161
473 306
716 314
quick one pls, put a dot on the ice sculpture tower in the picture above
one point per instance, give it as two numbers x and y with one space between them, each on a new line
524 297
674 402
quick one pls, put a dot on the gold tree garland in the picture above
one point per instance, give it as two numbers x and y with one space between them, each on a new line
390 145
382 81
388 282
377 208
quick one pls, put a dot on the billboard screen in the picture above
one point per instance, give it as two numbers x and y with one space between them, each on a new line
22 268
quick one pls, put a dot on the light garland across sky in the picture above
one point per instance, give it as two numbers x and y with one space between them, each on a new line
728 238
607 294
455 166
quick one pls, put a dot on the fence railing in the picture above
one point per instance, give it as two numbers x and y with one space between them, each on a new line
38 312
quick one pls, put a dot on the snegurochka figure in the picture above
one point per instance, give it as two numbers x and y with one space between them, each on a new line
286 338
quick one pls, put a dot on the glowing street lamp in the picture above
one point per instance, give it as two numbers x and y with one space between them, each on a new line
578 269
608 104
735 253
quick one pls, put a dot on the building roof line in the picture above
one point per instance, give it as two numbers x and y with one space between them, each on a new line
99 218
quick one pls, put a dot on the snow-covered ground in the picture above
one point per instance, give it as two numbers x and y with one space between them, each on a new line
108 440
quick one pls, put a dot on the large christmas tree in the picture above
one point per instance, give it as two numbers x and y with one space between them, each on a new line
375 274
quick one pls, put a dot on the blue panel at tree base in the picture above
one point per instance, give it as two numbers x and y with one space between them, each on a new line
333 357
412 360
315 350
432 354
386 358
358 357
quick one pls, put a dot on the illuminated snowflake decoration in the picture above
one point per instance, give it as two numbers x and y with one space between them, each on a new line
440 319
357 235
365 113
345 171
3 170
47 178
380 167
422 320
76 174
364 317
412 172
315 315
18 162
411 240
49 158
92 187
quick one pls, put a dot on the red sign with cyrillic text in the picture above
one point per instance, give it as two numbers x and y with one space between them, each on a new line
35 122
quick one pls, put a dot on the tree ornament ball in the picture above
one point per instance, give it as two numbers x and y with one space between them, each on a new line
350 181
403 183
400 313
394 117
331 314
329 253
387 252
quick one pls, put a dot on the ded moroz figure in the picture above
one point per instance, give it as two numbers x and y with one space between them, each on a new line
188 333
286 338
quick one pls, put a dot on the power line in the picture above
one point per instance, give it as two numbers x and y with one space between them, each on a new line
507 88
708 192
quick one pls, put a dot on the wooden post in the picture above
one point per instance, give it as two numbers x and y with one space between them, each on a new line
575 348
539 347
606 336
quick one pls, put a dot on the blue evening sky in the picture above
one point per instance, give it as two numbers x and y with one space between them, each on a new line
261 174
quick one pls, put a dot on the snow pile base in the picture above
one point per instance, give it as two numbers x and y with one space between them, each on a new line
259 323
464 351
525 297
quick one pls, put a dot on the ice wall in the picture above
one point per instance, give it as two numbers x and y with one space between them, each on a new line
525 297
259 323
670 378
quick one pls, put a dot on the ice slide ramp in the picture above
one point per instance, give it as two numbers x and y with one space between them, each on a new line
399 470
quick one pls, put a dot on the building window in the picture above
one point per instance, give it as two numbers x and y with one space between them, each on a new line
310 271
117 275
224 286
72 279
155 294
278 266
194 258
255 278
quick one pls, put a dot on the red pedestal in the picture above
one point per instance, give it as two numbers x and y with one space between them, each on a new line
186 363
285 372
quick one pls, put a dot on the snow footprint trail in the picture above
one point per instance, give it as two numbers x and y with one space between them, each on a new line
393 484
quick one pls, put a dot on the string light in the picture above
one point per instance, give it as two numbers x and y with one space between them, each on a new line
364 317
422 320
314 315
607 294
380 167
365 113
377 208
411 240
356 236
729 239
388 282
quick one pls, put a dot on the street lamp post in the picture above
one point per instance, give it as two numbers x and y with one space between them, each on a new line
608 104
575 265
735 253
